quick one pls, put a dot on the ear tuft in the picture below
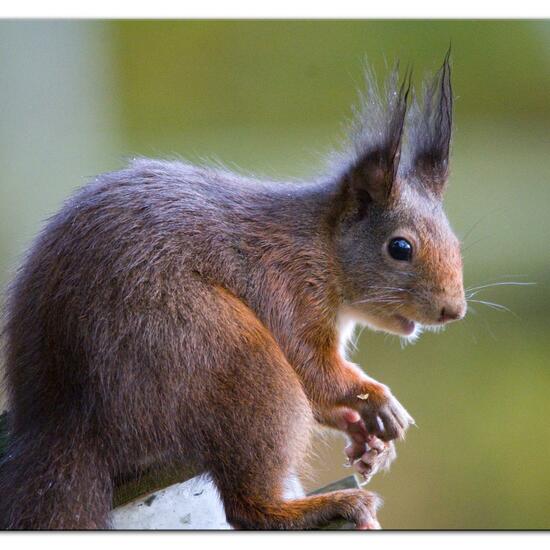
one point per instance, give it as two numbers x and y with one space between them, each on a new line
429 130
376 135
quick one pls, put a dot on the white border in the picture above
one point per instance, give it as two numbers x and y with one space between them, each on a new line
285 9
268 541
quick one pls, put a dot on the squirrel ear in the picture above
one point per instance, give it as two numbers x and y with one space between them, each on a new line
429 132
376 137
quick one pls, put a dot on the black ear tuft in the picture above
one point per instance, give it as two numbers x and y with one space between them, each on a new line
376 137
429 129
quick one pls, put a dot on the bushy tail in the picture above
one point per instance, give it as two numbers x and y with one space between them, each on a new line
49 484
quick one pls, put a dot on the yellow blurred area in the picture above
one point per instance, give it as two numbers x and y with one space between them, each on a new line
80 97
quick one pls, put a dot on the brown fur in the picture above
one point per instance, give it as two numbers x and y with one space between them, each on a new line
173 312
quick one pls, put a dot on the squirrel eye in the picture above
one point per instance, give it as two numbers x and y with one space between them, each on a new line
400 249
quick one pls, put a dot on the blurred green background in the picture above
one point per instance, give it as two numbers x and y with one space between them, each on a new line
80 97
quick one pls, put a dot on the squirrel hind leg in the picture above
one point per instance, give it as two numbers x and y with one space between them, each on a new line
354 505
257 431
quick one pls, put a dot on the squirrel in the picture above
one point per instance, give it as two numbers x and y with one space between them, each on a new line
188 313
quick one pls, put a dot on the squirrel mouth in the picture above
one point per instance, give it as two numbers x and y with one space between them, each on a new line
407 327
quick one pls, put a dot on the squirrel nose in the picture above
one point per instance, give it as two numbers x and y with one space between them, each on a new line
451 313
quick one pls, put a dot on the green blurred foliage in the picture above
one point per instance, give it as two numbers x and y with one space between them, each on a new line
271 97
178 74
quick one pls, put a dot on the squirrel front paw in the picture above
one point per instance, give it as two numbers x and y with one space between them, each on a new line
365 452
371 456
382 413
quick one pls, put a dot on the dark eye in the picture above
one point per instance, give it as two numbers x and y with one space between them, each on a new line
400 249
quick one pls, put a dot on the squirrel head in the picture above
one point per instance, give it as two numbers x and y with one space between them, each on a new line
400 260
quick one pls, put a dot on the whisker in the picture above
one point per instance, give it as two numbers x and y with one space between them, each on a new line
468 325
395 288
501 283
471 245
493 305
363 302
355 340
503 278
384 297
472 291
487 326
378 300
482 218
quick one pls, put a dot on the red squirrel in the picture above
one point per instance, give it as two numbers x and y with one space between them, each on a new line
185 313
